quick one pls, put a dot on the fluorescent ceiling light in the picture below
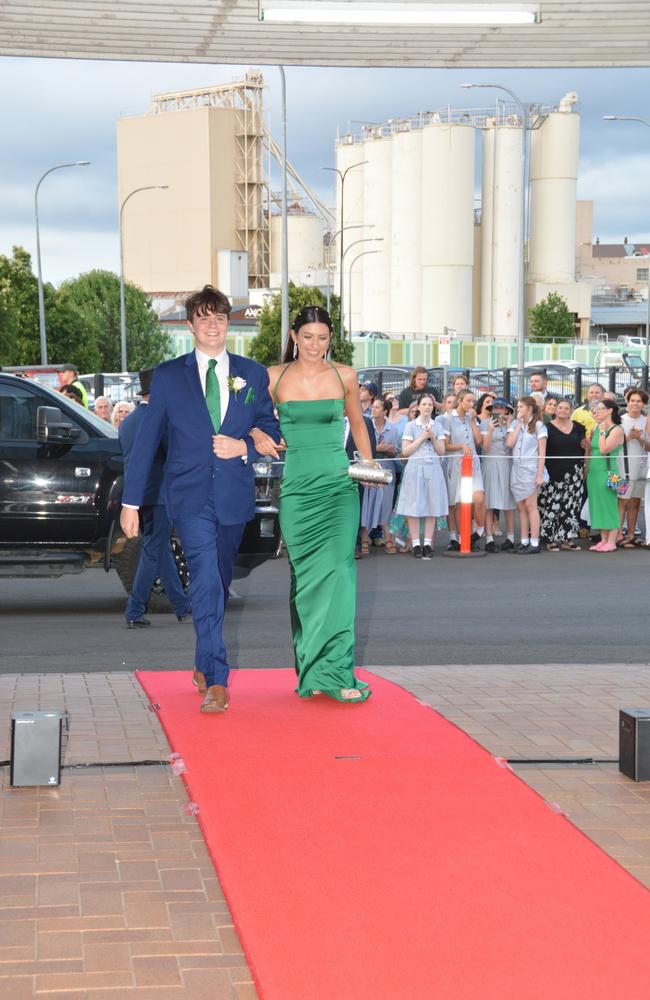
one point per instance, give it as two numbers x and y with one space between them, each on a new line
382 12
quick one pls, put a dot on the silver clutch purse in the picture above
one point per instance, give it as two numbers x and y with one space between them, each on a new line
369 473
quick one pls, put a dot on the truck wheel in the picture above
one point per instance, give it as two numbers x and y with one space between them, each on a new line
126 564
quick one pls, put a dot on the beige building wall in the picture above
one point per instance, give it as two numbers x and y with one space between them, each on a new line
609 272
171 238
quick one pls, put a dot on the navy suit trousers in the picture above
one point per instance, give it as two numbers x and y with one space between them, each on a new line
156 560
210 549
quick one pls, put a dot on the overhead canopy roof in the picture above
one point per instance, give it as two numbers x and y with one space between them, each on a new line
571 33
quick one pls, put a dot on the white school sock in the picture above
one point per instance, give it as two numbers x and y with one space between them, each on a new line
535 543
511 538
480 532
453 537
427 541
489 538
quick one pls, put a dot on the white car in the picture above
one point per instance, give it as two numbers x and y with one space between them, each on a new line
117 385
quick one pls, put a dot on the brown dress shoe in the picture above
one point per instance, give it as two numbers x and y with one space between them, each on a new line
198 680
216 699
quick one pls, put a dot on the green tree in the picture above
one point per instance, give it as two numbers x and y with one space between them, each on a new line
550 320
82 320
19 331
95 298
265 347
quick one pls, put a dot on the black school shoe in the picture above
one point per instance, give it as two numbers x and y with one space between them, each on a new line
507 546
417 551
137 623
454 546
490 547
427 552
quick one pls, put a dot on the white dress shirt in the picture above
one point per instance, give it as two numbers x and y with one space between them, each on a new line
222 370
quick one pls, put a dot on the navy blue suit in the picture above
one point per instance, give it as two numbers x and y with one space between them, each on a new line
209 499
156 557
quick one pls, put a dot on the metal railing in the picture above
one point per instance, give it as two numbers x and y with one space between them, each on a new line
569 383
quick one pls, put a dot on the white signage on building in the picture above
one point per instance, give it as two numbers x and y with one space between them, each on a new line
444 351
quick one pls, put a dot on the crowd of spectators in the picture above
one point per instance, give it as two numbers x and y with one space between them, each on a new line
556 471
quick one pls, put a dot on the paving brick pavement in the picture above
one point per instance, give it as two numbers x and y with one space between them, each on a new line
106 887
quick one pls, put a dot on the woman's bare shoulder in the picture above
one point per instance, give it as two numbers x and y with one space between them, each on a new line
274 372
348 374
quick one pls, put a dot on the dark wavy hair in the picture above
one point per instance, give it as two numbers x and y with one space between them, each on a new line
208 300
310 314
611 405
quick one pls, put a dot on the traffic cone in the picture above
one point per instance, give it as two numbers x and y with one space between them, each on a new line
466 494
465 519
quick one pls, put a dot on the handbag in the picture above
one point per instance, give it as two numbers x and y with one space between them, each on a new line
368 472
620 485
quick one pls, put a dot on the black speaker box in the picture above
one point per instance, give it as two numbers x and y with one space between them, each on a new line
36 740
634 743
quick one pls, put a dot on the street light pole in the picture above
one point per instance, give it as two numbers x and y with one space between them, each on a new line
362 254
642 121
330 239
366 239
41 297
521 326
148 187
285 222
342 174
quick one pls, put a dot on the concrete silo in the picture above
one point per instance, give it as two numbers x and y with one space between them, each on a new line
554 149
501 208
406 226
305 242
376 295
347 154
447 227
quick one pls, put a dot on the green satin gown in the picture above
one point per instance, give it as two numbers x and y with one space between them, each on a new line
319 518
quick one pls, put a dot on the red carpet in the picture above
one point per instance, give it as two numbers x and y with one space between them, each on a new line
376 852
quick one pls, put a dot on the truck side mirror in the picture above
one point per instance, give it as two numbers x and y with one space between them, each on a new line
55 427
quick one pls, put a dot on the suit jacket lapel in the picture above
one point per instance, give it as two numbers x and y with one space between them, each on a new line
196 389
233 372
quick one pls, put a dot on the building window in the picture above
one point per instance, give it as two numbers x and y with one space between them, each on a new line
642 274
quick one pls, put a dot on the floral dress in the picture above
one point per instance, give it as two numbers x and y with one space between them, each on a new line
561 499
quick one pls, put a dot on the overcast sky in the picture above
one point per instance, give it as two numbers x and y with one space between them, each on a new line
55 111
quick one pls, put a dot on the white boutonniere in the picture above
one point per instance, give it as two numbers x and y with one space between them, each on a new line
236 384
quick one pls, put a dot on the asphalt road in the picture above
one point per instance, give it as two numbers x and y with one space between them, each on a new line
553 608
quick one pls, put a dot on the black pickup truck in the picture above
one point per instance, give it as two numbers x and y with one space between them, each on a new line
61 472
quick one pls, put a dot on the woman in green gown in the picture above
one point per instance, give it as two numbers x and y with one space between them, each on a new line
319 505
605 446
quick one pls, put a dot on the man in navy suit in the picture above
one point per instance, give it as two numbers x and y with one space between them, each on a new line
156 557
205 402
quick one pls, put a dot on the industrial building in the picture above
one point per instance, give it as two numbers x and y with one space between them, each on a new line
422 256
218 219
207 146
421 252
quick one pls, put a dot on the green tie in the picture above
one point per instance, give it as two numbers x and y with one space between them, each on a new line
213 395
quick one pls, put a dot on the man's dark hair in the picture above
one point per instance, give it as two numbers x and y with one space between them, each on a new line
146 377
69 368
208 300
